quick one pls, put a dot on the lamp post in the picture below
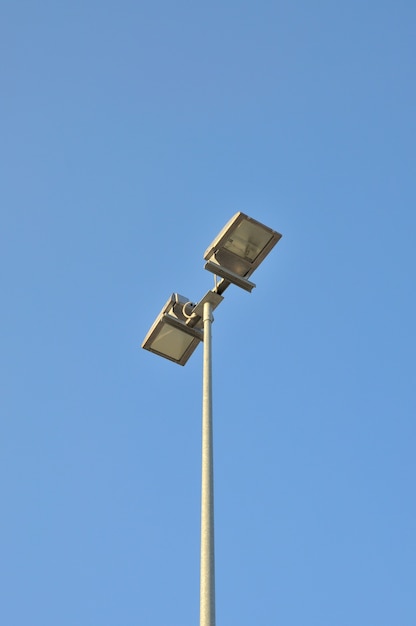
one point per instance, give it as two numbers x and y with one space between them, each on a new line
207 575
233 256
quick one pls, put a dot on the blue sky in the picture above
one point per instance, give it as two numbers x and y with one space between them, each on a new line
131 133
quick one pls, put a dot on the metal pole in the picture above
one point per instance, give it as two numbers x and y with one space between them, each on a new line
207 597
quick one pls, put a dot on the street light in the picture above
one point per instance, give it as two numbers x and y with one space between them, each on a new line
233 256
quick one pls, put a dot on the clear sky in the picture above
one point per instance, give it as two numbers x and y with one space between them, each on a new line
130 133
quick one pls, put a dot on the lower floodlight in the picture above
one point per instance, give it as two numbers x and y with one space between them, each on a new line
171 335
239 249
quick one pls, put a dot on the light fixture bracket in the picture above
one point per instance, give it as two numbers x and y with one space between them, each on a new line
211 296
228 275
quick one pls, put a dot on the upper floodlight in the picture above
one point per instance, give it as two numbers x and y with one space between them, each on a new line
239 249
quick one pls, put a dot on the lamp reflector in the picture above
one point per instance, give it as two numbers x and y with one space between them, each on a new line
248 240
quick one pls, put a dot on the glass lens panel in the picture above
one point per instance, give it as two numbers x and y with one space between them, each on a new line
172 342
248 240
236 264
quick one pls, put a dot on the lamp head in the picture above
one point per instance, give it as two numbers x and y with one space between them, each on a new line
171 336
178 328
240 247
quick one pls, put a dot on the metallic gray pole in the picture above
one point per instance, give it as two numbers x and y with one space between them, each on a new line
207 597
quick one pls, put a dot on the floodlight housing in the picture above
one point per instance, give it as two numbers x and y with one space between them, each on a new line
177 329
239 249
171 335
